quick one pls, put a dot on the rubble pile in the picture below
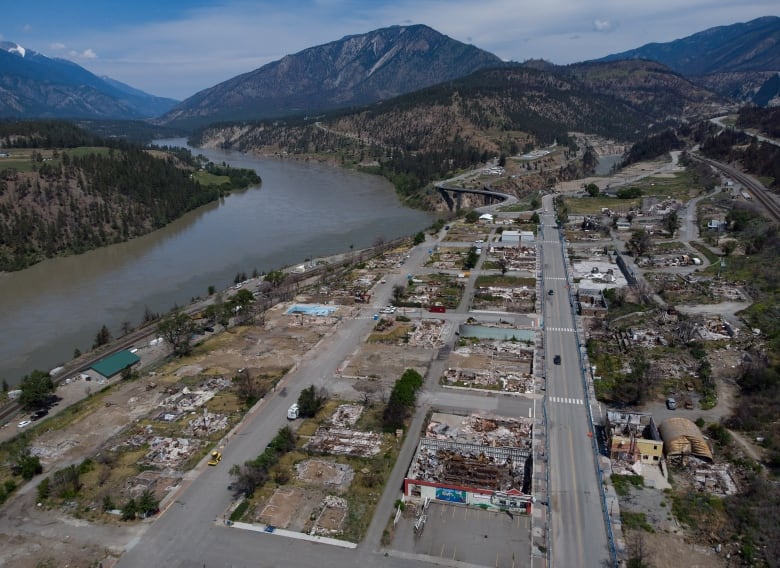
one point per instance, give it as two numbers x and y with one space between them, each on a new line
169 453
342 441
346 415
429 334
492 432
206 424
495 469
186 400
331 519
715 479
502 378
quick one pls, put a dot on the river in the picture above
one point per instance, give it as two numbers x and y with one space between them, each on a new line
302 210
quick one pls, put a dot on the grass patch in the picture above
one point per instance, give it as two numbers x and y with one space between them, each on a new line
503 281
206 178
698 511
708 254
239 511
636 521
395 334
624 483
594 205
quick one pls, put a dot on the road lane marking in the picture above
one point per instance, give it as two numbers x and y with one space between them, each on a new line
566 400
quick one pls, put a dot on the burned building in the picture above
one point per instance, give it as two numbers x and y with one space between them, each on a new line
633 437
488 474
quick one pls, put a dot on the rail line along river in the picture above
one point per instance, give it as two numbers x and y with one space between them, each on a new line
302 210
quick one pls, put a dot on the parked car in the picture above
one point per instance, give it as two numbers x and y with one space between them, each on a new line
557 359
24 423
671 403
216 457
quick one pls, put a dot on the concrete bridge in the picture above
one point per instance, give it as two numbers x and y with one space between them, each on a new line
453 197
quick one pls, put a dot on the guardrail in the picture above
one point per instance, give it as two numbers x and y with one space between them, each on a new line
586 390
544 414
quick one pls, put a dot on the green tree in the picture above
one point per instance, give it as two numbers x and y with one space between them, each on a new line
44 489
147 504
129 510
310 401
671 222
471 217
592 189
176 330
419 238
76 352
535 218
29 465
639 243
37 388
102 338
398 292
275 277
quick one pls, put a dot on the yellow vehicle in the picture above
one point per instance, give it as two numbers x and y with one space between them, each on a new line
216 457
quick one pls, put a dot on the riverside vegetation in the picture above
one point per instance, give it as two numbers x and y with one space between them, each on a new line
64 191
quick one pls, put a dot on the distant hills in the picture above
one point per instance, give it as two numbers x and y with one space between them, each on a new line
735 60
353 71
738 62
33 85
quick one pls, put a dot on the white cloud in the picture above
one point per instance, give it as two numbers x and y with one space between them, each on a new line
208 45
27 28
86 54
57 46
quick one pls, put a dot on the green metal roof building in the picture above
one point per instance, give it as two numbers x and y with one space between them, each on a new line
116 363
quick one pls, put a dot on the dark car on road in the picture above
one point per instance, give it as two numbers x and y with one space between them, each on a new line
557 359
551 292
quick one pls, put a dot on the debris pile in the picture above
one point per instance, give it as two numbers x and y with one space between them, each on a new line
206 424
429 334
715 479
469 465
331 518
342 441
169 453
483 431
346 415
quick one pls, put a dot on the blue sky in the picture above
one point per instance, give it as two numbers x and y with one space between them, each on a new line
175 48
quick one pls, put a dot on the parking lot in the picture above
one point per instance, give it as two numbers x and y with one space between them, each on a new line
466 534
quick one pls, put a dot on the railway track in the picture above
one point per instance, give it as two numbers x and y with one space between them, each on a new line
757 190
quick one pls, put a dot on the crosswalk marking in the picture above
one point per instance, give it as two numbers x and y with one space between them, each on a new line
561 329
564 400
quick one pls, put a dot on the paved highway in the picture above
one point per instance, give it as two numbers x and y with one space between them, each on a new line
578 530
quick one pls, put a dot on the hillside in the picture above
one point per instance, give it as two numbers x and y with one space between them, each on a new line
33 85
734 60
355 70
428 135
63 191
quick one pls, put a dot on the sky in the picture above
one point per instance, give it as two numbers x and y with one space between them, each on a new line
175 48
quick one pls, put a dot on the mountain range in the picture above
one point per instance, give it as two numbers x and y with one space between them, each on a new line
33 85
738 62
353 71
